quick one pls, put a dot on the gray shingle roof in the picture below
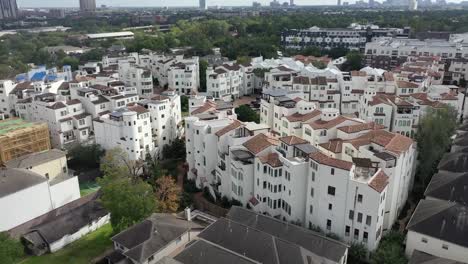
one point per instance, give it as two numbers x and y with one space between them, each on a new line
319 245
14 180
443 220
454 162
153 234
35 159
203 252
420 257
449 186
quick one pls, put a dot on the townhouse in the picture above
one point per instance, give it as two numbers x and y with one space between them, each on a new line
127 128
135 76
230 81
69 124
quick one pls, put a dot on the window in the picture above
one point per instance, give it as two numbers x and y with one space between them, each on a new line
331 190
424 240
359 217
311 209
368 220
332 171
347 230
313 176
445 246
330 206
329 223
151 258
356 234
81 122
365 236
311 192
351 215
359 198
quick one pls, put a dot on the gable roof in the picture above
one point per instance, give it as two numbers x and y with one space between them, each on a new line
259 143
322 124
405 84
361 127
321 158
392 142
324 248
420 257
235 124
379 181
33 159
293 140
448 186
454 162
271 159
203 252
296 117
153 234
443 220
13 180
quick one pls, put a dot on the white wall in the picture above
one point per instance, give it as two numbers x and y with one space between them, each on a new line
65 192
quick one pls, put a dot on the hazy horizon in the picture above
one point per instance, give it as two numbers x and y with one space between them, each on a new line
169 3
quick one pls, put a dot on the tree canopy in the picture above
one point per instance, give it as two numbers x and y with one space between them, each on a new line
391 250
247 114
168 194
11 250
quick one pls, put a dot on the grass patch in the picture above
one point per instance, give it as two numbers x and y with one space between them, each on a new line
88 188
81 251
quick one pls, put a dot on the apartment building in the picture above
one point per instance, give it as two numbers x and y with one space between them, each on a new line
128 128
135 76
166 118
354 37
68 122
230 81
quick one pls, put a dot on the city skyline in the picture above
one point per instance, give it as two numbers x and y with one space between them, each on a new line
162 3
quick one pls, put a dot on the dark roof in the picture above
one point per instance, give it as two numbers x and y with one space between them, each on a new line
321 246
14 180
454 162
153 234
252 243
57 105
443 220
202 252
420 257
100 100
449 186
34 159
71 222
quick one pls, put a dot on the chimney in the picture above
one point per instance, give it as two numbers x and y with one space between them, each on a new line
188 215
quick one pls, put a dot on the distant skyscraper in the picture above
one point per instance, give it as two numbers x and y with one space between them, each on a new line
8 9
203 5
339 3
88 5
413 5
291 3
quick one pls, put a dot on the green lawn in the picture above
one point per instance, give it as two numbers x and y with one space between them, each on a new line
80 252
88 187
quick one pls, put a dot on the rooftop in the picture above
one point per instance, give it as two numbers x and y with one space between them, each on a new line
34 159
13 180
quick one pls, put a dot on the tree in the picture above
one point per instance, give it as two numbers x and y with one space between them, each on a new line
128 201
391 250
353 61
87 156
203 67
176 150
247 114
434 138
11 250
357 254
184 103
168 194
116 162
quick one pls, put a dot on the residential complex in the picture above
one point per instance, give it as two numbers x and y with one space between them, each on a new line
8 9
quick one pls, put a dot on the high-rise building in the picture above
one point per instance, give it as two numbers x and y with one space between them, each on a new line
413 5
88 5
338 3
291 3
8 9
203 5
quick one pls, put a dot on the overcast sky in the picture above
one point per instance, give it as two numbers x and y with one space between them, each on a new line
75 3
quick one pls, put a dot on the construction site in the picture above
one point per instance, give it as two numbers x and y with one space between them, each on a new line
19 137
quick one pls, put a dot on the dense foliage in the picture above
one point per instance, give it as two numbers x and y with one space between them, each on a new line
434 138
391 250
168 194
175 150
85 156
247 114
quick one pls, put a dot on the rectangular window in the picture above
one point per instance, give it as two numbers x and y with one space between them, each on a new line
356 234
424 240
368 220
332 171
311 192
365 236
330 206
331 190
311 209
329 223
359 217
359 198
445 246
351 215
347 230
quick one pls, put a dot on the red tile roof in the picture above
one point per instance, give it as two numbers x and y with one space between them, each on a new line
296 117
405 84
208 106
334 145
379 181
259 143
293 140
138 108
235 124
361 127
321 124
325 160
271 159
393 142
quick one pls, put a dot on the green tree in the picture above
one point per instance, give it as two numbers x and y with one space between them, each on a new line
176 150
247 114
11 250
128 201
117 163
184 103
168 194
434 138
353 61
87 156
391 250
203 67
357 254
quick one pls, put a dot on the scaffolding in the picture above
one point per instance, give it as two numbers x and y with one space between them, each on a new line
18 138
